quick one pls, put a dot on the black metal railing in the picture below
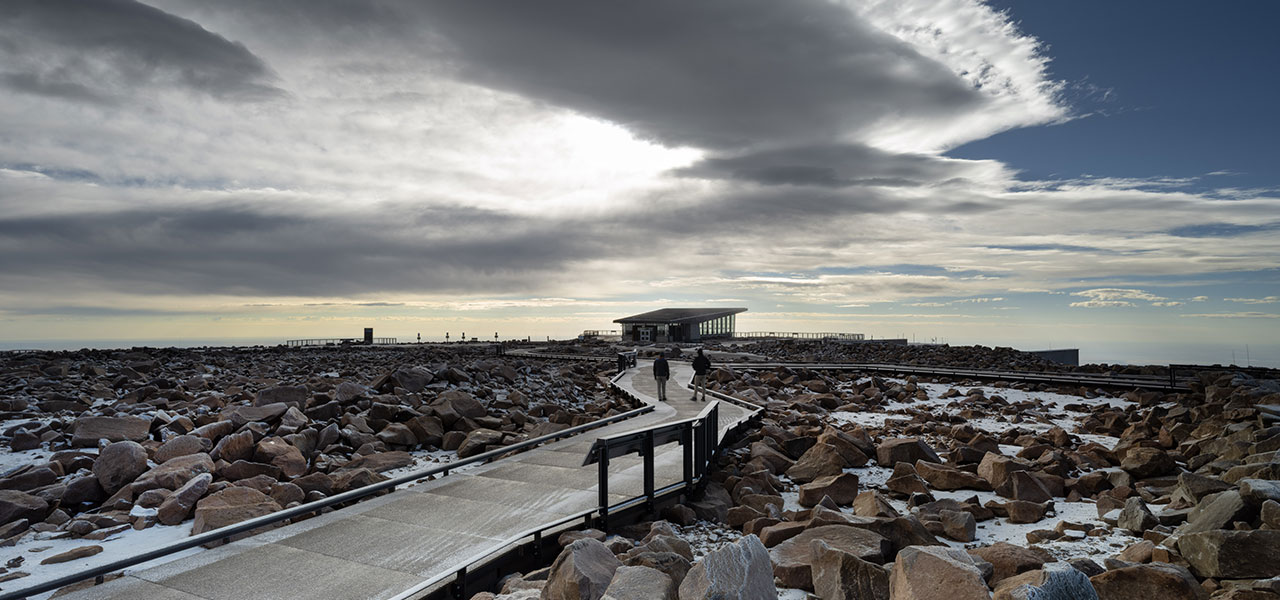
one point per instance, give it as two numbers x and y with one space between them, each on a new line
224 534
698 435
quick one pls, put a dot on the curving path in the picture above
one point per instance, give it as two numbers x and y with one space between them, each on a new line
383 546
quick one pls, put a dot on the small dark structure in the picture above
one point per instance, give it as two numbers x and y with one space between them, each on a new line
680 324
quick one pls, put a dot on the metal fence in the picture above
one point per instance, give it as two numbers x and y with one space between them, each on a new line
800 335
338 342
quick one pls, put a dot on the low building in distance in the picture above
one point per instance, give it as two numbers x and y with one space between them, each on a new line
679 324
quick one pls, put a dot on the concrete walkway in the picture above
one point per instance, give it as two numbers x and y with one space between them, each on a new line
386 545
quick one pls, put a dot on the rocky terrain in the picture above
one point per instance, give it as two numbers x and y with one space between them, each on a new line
862 487
98 445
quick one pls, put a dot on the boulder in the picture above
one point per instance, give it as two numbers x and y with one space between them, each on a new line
237 446
16 505
229 506
822 460
29 477
842 489
379 462
398 434
1026 512
174 473
839 575
1192 488
428 430
1218 511
1056 581
280 453
582 571
872 503
947 477
1161 581
293 395
737 571
119 464
793 559
86 431
1232 554
1026 487
72 554
346 480
182 445
908 450
1136 517
477 442
412 379
959 525
1144 462
178 505
674 565
936 573
640 583
997 468
1009 560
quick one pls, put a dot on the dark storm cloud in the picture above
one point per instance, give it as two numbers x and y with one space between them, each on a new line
713 74
243 250
835 166
89 50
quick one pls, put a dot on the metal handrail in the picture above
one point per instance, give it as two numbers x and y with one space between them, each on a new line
225 534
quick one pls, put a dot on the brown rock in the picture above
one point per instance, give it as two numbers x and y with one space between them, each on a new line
229 506
1161 581
398 434
793 558
1026 512
1010 560
582 571
182 445
277 452
1233 554
237 446
822 460
174 473
909 450
997 469
936 573
839 575
73 554
16 505
640 583
947 477
119 464
959 525
379 462
842 489
478 441
1144 462
178 505
872 503
86 431
293 395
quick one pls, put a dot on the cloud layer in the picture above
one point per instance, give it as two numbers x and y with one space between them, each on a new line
333 154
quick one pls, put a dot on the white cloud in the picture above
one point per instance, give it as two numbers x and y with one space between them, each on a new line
1267 300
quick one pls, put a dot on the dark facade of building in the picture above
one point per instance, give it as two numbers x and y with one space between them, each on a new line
679 325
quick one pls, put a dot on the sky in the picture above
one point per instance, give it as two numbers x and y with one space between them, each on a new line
1033 174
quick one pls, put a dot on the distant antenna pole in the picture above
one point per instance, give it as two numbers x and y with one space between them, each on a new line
446 337
1247 362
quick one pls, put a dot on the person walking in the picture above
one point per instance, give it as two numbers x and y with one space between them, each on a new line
701 365
661 371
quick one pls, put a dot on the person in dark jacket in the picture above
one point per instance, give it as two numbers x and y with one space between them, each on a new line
701 366
661 371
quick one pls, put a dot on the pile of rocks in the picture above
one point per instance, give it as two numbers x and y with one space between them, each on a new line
143 437
1206 460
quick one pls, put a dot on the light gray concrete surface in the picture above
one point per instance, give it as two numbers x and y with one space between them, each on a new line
383 546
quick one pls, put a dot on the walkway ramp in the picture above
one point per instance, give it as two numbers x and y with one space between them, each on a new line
383 546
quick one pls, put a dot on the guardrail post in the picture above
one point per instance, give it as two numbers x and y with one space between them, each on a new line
459 587
604 484
686 440
648 470
700 449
